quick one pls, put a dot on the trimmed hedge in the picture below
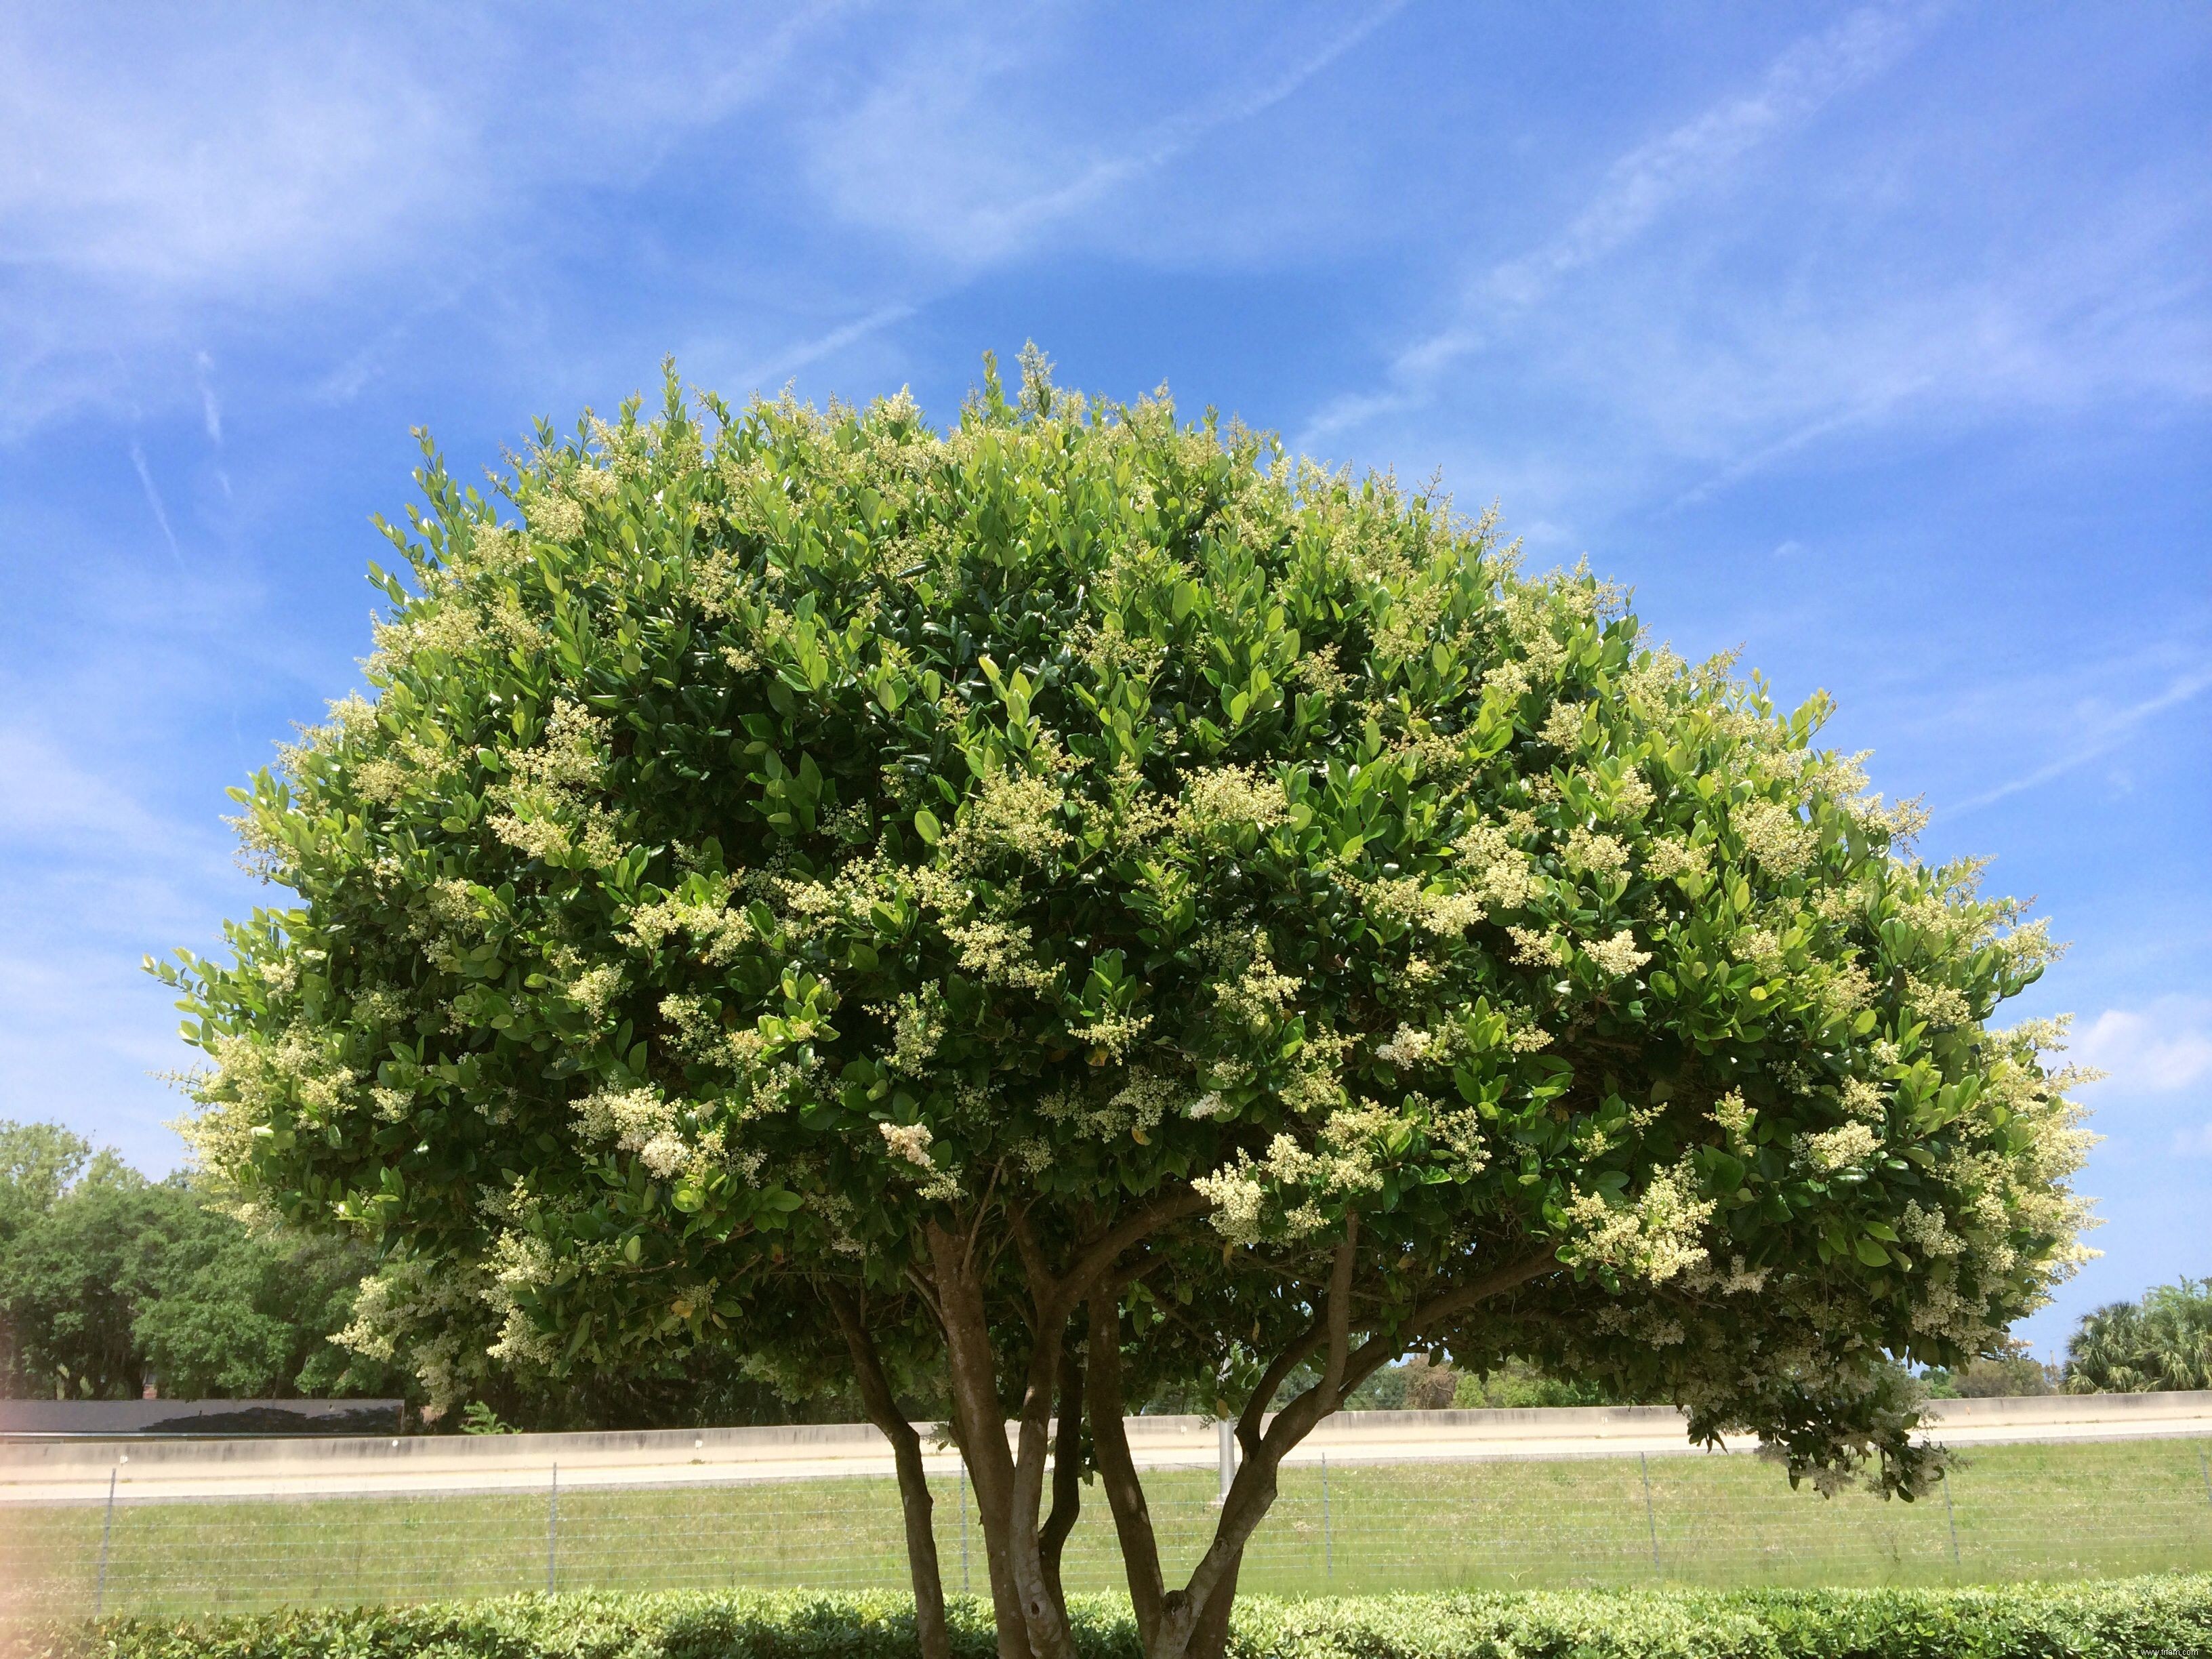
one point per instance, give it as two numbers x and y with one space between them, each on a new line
2162 1617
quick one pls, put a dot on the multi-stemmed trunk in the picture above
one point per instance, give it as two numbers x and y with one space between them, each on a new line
1073 1372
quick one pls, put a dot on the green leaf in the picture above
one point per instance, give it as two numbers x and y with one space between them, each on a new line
926 826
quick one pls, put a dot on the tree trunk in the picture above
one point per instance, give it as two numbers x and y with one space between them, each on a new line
980 1429
1066 1474
1192 1622
1037 1586
931 1635
1117 1471
1211 1636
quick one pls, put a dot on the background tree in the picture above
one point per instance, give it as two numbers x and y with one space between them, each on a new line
38 1162
2013 1374
1114 909
2163 1341
107 1278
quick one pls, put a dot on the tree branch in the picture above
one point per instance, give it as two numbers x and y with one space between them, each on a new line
1248 1422
1339 1304
983 1209
926 1291
980 1426
1098 1254
1252 1493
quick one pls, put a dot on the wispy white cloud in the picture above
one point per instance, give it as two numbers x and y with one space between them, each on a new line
163 174
1639 189
946 155
93 877
1643 184
153 501
911 159
2095 735
775 371
1011 225
2162 1047
56 806
1822 261
210 409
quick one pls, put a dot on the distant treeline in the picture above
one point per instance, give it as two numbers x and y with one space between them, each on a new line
109 1281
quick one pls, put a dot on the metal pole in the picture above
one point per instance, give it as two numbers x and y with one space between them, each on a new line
963 1525
1327 1542
1951 1516
1228 1446
1651 1517
553 1532
2205 1463
106 1529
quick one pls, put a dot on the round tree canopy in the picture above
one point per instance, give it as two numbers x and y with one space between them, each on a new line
787 832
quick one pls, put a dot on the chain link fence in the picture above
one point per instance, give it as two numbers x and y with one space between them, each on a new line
2005 1512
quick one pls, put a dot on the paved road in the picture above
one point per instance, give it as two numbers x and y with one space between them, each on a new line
175 1471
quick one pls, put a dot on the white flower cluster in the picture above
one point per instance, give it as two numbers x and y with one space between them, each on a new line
1291 1181
1260 995
1230 798
1617 956
1774 834
638 1121
1668 860
910 1141
1653 1239
1498 869
554 517
717 929
1408 1048
1407 899
1843 1148
1010 813
1595 852
1533 947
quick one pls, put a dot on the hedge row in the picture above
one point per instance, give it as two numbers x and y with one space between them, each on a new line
2162 1617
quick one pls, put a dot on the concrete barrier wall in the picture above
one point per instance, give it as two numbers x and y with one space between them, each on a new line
820 1448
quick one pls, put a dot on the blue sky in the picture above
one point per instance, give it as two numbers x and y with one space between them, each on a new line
1876 341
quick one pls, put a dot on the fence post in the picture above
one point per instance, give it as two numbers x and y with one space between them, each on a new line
1650 1518
1226 1436
553 1531
107 1528
1328 1543
963 1525
2205 1463
1951 1516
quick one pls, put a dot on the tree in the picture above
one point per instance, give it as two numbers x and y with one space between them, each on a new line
2163 1341
106 1277
1516 1385
225 1313
2011 1374
66 1275
1085 905
38 1162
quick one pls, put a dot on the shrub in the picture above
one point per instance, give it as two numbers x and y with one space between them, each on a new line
2121 1618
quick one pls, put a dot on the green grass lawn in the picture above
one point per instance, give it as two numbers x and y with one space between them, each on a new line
2014 1512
